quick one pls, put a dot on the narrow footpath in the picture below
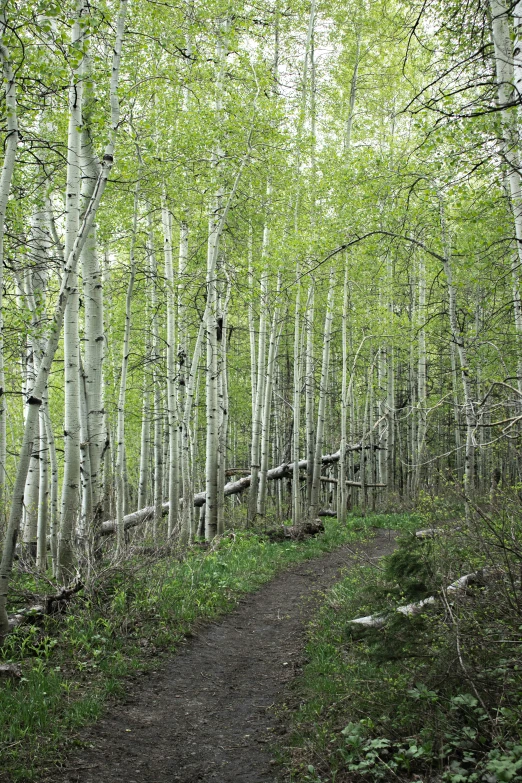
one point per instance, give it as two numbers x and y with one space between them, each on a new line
206 714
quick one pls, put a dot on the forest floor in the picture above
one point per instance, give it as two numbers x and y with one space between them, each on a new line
208 713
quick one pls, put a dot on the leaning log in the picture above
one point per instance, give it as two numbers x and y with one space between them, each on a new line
328 480
231 488
378 620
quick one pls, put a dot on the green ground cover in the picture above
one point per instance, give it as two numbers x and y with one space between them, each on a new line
432 697
134 613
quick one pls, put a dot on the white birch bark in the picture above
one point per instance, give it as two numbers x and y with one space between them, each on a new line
508 63
255 455
93 336
143 481
309 393
10 145
458 340
156 382
120 426
172 401
275 333
316 483
421 373
70 504
341 487
296 492
56 322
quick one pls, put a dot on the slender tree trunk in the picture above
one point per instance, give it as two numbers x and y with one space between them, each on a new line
10 145
316 484
296 491
143 482
341 486
255 457
172 401
120 426
275 333
70 507
309 394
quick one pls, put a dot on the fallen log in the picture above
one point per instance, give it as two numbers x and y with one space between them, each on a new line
296 532
231 488
10 671
378 620
52 604
328 480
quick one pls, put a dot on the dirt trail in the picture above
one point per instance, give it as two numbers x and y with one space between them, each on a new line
205 716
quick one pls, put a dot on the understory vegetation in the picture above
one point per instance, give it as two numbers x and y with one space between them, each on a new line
430 696
135 612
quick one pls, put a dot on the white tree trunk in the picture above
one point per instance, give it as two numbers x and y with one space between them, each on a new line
275 333
316 482
70 506
172 401
120 426
11 143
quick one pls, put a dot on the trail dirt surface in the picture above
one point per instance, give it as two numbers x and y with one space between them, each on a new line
205 716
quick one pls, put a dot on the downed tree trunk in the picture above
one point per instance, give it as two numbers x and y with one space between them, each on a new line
377 620
231 488
296 532
52 604
328 480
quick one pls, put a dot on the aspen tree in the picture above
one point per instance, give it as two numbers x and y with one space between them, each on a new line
70 503
508 63
156 382
6 176
55 326
275 334
172 401
316 484
93 333
120 426
296 492
341 486
255 456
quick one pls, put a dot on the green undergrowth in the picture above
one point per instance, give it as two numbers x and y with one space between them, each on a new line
436 696
135 613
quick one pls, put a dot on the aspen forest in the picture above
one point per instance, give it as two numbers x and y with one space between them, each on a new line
260 303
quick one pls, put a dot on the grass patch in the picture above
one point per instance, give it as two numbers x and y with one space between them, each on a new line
432 697
134 614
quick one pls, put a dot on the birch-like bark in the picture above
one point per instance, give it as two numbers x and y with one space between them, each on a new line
120 425
275 334
10 145
309 393
341 486
172 401
143 481
187 514
156 382
458 340
251 327
93 337
296 492
70 505
255 455
421 374
35 400
316 483
212 381
508 63
223 405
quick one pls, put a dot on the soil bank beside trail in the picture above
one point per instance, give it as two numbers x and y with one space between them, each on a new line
205 715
